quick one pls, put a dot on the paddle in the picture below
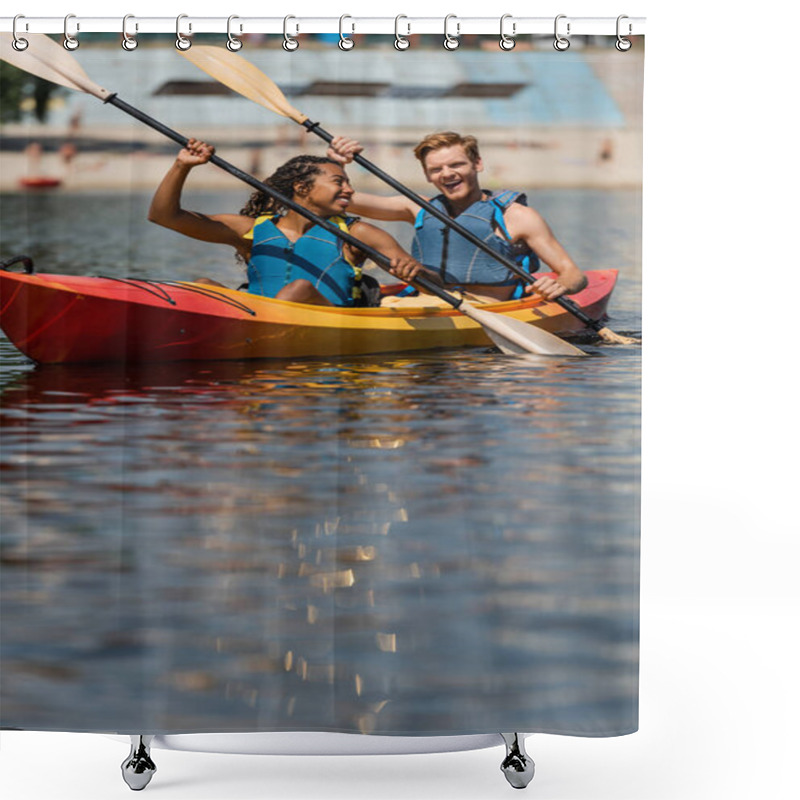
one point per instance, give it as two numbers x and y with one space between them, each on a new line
45 58
237 73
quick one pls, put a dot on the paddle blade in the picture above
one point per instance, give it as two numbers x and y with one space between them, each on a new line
607 335
237 73
515 336
47 59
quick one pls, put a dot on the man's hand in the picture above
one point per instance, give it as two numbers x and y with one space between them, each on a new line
549 288
343 150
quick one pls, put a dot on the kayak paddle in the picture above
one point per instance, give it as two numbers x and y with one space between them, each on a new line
237 73
45 58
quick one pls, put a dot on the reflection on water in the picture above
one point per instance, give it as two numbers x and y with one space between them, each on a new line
443 543
439 544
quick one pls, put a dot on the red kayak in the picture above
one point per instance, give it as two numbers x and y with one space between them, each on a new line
39 182
56 319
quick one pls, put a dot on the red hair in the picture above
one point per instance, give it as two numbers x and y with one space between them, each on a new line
435 141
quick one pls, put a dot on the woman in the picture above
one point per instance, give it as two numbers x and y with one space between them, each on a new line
287 256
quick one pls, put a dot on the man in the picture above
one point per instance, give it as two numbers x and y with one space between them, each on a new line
452 164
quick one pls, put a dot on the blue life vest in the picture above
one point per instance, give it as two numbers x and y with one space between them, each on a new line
442 249
317 256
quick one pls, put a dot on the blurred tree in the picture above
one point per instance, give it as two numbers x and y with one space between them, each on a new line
16 87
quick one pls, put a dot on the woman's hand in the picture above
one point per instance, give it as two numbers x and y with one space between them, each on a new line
195 153
405 267
343 150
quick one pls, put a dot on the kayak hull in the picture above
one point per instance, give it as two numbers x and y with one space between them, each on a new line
57 319
40 182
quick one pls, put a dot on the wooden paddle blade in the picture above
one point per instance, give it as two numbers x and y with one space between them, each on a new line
237 73
47 59
515 336
607 335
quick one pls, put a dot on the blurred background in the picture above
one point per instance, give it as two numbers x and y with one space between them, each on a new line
543 119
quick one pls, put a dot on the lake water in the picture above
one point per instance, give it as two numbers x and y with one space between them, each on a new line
437 543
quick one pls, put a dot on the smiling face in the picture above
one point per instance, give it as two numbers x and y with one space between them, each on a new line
329 194
454 174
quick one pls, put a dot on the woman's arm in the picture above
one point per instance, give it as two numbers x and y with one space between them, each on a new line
402 265
166 210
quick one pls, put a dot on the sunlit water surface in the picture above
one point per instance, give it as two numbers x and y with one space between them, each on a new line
435 543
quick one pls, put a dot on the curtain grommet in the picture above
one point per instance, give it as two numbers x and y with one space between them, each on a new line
507 42
181 42
290 44
129 42
233 44
451 42
561 43
400 42
71 42
345 43
18 43
622 44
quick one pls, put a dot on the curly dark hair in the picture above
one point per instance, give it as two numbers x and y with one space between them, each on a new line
300 169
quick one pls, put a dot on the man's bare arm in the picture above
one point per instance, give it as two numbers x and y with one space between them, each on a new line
526 224
373 206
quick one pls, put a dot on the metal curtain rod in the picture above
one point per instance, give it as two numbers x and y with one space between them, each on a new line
578 26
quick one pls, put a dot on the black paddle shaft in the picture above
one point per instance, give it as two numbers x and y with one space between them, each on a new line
564 302
380 259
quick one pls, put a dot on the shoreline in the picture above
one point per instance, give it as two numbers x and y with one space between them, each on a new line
578 158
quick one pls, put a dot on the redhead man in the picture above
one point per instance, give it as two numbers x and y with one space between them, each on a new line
452 164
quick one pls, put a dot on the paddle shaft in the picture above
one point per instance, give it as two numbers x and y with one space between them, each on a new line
380 259
564 302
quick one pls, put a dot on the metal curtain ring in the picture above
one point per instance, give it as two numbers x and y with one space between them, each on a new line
18 43
451 42
561 43
622 44
507 42
400 42
344 42
70 42
233 44
181 42
289 43
129 42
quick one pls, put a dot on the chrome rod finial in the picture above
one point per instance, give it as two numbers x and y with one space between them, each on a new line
138 768
517 766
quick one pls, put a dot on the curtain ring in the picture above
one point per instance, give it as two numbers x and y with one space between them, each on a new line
233 44
622 44
451 42
507 42
129 42
561 43
400 42
289 43
18 43
345 43
71 42
181 42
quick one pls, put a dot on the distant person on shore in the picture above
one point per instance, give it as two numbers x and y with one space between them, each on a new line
452 163
33 157
287 256
606 153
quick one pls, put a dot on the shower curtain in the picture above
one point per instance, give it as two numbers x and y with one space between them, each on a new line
436 542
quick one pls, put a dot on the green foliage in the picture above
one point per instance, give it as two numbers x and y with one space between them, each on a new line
16 87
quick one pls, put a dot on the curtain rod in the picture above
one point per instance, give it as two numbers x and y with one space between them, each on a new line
298 25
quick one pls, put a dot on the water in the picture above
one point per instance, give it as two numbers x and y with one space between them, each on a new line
438 543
